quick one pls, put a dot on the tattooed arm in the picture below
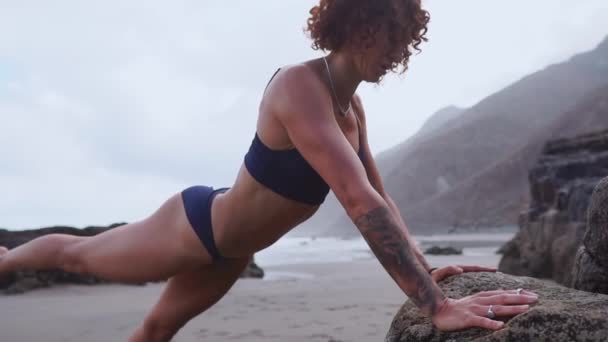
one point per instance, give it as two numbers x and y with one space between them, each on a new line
299 101
373 175
406 233
395 253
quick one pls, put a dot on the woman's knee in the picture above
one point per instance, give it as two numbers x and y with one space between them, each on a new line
71 256
155 329
236 265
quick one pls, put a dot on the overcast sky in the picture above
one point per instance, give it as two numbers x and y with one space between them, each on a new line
107 108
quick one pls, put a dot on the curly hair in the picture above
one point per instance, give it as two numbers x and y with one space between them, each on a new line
335 23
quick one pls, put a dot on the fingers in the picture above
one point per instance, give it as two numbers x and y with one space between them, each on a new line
445 272
499 292
481 312
477 268
506 299
500 310
478 321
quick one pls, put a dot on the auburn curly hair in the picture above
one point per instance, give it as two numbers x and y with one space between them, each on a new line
335 23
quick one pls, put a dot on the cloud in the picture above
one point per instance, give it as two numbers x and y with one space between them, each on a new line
108 108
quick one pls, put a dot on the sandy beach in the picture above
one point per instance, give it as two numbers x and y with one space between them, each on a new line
344 301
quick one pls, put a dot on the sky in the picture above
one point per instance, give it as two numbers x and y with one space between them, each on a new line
109 108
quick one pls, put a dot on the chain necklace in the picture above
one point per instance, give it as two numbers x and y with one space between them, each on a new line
343 112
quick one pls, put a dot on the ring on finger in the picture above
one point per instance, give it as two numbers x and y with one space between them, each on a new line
490 314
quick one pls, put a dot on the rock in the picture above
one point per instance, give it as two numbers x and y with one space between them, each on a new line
596 236
436 250
562 314
551 229
590 272
23 281
588 275
253 271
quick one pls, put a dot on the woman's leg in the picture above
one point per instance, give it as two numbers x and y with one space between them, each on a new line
186 295
155 248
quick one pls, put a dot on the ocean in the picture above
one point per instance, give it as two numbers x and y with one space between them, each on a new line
308 250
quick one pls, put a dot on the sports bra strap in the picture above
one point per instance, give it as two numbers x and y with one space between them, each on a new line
353 109
273 75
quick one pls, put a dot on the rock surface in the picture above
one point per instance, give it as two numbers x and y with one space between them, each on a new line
591 266
552 227
23 281
562 314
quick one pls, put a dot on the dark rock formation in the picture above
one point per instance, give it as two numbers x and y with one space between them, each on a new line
591 266
23 281
11 239
562 314
252 271
551 229
436 250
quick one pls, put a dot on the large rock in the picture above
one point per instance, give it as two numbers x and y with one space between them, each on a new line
591 267
552 227
562 314
438 250
252 271
23 281
596 236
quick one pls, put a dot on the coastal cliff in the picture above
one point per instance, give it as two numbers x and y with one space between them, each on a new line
551 229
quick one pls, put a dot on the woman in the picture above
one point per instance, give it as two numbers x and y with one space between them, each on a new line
310 137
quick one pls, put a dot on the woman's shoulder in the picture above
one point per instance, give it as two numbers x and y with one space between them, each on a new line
297 75
295 85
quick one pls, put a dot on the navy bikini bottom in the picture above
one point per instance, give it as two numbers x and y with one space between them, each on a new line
197 202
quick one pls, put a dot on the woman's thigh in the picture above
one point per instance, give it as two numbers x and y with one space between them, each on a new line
188 294
155 248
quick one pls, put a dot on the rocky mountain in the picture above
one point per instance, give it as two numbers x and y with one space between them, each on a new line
471 170
551 228
331 212
441 119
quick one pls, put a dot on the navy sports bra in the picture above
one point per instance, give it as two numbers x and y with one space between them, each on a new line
287 173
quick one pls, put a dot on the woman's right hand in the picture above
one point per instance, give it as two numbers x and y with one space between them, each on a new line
473 311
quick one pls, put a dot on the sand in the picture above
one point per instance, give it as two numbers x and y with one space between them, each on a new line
348 301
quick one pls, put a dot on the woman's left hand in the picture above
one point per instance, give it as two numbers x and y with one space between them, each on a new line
444 272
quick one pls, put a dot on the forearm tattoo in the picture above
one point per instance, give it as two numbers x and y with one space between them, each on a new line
394 252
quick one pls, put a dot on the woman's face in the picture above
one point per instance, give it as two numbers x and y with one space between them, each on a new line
376 60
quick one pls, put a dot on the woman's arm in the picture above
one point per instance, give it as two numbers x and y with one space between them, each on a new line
374 177
305 111
406 232
300 103
396 254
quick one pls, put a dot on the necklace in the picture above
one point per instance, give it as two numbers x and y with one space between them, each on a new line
343 112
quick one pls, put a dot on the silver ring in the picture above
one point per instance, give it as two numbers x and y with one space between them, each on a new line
490 314
519 291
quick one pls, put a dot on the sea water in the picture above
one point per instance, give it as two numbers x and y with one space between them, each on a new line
310 250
